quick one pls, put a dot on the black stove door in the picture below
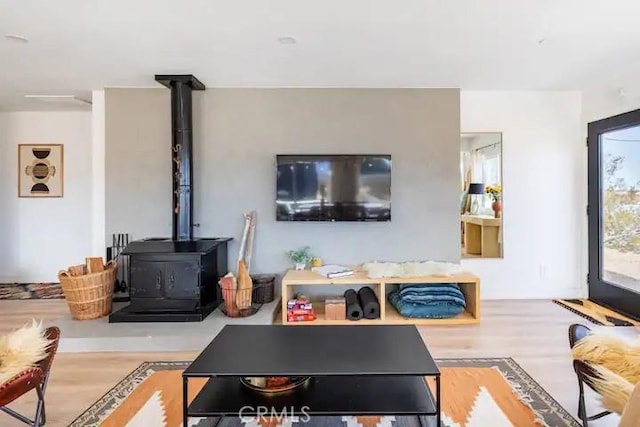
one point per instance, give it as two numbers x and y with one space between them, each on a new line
147 278
183 279
165 283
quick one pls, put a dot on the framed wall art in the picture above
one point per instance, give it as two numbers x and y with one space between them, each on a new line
40 170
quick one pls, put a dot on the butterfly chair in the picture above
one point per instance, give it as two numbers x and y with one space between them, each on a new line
35 378
584 373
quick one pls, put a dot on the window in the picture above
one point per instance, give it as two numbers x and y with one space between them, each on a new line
488 159
491 170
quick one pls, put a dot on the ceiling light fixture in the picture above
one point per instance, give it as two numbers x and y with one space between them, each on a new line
71 99
16 38
287 40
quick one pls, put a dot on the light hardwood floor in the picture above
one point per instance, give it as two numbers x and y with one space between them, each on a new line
534 333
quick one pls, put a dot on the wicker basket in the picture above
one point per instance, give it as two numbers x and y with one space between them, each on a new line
263 288
89 296
231 296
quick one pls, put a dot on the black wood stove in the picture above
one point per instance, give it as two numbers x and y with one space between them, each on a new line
175 280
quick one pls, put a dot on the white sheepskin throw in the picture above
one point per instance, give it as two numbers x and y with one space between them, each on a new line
616 360
376 270
22 349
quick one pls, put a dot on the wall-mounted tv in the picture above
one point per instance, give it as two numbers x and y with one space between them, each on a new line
333 187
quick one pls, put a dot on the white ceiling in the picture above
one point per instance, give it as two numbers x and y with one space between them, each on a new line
78 45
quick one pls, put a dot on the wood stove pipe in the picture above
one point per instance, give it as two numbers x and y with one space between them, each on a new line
182 151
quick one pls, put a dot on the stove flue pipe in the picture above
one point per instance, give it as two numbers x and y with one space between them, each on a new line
182 151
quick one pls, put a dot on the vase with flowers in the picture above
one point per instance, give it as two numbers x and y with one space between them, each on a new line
495 192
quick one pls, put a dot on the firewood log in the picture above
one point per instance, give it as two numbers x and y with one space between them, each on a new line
229 286
94 264
245 287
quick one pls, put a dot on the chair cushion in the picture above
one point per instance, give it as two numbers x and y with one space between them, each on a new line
612 365
608 348
22 349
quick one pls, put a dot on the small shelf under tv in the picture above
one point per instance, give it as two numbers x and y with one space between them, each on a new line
469 284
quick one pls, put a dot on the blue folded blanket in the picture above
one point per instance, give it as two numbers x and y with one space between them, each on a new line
433 301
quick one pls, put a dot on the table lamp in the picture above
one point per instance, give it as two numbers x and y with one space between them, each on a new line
475 189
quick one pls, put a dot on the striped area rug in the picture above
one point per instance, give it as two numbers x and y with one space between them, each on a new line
596 313
475 392
30 291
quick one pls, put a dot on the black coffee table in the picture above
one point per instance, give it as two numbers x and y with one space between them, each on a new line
355 370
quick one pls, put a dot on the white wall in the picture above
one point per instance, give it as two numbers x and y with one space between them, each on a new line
8 189
544 199
544 182
237 134
39 236
601 103
98 171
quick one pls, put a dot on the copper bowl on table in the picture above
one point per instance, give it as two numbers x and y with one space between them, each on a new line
274 386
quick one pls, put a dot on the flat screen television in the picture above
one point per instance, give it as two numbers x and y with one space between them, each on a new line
333 187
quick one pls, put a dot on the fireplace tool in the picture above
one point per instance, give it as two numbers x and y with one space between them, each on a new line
120 241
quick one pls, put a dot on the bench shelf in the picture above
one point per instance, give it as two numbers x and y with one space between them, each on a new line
469 284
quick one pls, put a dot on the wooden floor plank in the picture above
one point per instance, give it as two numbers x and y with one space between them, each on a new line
533 333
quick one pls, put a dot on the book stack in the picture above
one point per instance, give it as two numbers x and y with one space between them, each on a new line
332 271
300 309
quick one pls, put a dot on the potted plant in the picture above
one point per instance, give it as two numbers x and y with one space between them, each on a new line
300 257
496 195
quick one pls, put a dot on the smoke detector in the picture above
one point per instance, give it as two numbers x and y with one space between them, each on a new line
16 38
60 99
287 40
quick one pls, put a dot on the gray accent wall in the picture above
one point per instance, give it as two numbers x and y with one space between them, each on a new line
237 134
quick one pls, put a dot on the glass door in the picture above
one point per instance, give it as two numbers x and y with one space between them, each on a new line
614 212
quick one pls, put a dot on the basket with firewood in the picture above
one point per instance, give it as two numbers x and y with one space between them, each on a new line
237 294
88 288
240 296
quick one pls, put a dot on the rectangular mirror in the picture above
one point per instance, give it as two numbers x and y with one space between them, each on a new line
481 206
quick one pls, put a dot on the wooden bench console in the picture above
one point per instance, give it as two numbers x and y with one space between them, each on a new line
469 284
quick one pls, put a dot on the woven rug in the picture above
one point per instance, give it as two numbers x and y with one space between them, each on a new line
595 313
30 291
476 392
